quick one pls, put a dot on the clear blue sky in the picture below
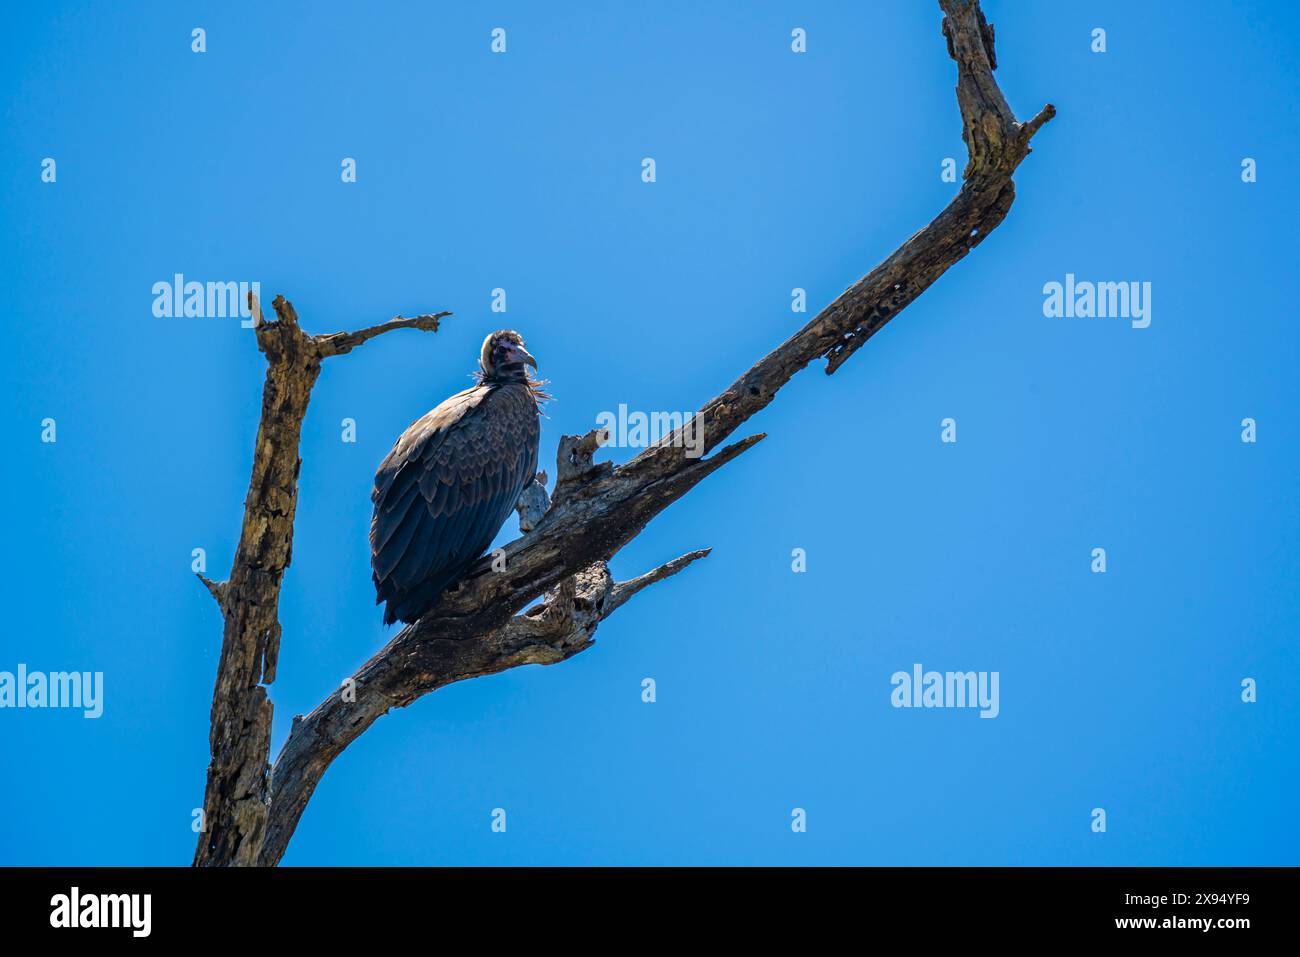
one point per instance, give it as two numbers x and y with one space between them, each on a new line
775 170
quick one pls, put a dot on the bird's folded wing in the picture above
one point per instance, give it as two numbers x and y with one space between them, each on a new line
447 487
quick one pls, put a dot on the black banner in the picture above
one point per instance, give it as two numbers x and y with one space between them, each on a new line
334 906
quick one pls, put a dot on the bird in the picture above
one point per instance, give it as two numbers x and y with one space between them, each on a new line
452 479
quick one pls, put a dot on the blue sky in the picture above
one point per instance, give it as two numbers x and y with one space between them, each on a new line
775 170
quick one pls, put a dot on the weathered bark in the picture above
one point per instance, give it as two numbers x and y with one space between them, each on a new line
237 799
478 628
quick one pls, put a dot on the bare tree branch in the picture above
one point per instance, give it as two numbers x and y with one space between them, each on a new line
558 628
237 798
341 343
479 627
623 591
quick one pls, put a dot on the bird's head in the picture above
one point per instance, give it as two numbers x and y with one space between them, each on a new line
504 357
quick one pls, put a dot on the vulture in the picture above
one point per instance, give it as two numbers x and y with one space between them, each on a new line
444 491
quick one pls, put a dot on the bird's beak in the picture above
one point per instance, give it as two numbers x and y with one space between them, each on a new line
520 354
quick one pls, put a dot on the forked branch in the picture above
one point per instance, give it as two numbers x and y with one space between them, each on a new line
236 801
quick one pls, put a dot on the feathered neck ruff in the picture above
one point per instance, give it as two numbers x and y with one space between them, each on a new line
535 386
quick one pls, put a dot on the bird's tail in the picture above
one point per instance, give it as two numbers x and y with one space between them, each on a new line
407 606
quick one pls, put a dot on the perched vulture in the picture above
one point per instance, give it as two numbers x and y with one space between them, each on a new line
444 491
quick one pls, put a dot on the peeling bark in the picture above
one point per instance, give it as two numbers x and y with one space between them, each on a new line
236 801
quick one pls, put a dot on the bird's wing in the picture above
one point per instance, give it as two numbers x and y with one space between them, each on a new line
449 484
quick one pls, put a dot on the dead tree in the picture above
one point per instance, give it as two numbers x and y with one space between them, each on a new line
481 627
